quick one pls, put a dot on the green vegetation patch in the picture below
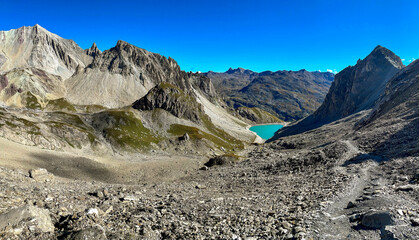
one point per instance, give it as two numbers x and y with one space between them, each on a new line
30 101
217 136
125 129
60 104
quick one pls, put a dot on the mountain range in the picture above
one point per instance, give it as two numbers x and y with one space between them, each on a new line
123 144
288 95
122 99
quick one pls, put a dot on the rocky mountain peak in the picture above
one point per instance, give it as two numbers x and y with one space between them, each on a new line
354 89
36 47
93 50
238 70
383 54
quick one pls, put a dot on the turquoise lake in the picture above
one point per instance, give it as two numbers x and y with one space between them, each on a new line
266 131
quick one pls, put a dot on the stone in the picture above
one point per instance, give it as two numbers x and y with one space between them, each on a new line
286 225
204 168
41 175
185 137
92 233
131 198
41 218
405 188
93 211
376 219
350 205
415 222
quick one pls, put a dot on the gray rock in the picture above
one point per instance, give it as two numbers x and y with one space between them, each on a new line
36 215
350 205
405 188
376 219
93 233
41 175
185 137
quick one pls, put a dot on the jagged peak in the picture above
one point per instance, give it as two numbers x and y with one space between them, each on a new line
93 50
381 52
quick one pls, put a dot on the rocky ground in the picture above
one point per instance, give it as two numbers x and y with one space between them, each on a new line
317 185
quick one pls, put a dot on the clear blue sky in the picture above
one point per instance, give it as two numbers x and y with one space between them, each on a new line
215 35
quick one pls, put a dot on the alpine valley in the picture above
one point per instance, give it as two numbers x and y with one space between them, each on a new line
123 144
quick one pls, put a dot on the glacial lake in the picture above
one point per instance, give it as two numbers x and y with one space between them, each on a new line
266 131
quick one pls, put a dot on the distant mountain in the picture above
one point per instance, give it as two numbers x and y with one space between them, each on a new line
289 95
355 88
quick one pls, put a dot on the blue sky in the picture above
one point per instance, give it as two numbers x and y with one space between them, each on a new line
215 35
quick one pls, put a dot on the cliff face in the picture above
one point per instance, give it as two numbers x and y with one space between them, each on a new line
354 89
172 99
289 95
359 87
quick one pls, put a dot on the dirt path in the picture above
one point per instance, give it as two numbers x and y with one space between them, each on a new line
333 222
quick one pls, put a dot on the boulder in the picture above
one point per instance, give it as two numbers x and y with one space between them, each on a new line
225 159
376 219
39 217
92 233
41 175
185 137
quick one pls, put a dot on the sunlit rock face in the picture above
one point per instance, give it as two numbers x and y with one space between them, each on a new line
35 47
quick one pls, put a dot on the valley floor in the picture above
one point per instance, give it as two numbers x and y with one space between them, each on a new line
313 186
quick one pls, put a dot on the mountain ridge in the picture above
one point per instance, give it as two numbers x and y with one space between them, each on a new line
355 88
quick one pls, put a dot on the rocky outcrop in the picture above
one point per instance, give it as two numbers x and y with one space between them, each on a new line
172 99
354 89
93 51
290 95
35 47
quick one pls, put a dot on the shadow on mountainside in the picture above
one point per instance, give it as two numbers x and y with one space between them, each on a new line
403 143
72 167
363 158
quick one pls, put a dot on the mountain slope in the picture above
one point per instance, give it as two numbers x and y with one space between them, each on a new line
121 75
394 119
28 47
355 88
289 95
154 103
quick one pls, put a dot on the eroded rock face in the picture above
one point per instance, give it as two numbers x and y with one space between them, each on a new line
171 99
35 47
